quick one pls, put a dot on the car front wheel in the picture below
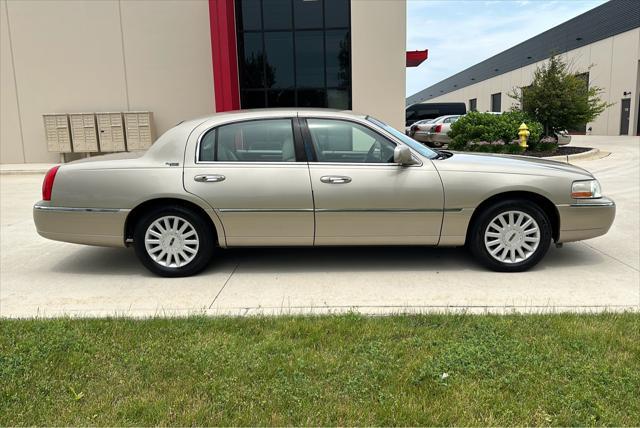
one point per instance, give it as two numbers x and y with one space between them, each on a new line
511 236
173 242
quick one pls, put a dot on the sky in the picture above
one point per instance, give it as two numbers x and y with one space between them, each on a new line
460 34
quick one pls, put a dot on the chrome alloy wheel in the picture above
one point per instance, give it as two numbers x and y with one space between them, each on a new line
171 241
512 237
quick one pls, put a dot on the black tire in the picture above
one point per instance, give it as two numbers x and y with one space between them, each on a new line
205 237
476 238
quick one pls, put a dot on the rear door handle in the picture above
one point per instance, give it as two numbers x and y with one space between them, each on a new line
335 179
213 178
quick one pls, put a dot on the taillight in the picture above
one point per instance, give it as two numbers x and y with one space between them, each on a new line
47 184
438 128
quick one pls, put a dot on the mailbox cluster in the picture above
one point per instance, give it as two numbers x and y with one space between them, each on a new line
98 132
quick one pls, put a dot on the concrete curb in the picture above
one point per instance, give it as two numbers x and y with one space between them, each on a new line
20 169
588 155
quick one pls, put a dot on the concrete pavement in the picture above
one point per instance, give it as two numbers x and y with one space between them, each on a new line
46 278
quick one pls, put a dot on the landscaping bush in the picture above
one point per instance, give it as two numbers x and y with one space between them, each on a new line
492 133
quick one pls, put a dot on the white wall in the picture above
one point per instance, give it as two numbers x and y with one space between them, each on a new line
100 55
378 59
614 67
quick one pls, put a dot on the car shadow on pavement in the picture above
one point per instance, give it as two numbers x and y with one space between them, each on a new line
123 262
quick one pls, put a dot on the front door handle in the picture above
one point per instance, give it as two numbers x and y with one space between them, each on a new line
213 178
335 179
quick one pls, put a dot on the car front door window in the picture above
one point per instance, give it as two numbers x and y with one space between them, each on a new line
348 142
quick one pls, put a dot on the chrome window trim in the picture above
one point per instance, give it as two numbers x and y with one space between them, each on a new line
74 209
231 122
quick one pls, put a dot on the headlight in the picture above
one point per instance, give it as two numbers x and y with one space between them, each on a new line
586 189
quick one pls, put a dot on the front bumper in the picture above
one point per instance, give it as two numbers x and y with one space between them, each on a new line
586 219
90 226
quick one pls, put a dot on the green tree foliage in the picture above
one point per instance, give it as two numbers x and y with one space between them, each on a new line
558 98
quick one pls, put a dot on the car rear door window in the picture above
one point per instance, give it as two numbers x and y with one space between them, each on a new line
254 141
343 141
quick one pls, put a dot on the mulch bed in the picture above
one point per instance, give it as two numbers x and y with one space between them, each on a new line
560 151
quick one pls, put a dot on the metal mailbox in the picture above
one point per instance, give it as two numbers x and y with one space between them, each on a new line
84 133
138 130
110 132
56 129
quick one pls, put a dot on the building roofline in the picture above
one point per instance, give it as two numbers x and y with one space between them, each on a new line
604 21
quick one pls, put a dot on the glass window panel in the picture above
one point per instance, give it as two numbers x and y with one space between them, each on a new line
312 98
338 98
309 59
307 14
277 14
256 141
252 99
251 15
252 68
279 67
207 144
342 141
338 58
336 13
283 98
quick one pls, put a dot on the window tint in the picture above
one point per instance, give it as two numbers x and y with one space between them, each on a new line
309 59
279 67
255 141
294 53
278 15
342 141
496 100
307 14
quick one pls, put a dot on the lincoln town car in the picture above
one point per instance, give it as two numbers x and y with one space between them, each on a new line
316 177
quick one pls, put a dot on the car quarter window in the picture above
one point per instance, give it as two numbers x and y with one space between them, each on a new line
344 141
269 140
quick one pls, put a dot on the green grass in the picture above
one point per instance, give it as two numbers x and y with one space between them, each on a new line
333 370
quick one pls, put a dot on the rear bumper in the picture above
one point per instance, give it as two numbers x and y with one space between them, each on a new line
90 226
585 220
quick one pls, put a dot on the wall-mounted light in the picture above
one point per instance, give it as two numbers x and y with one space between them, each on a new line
625 93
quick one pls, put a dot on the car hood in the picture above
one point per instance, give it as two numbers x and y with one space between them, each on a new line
509 164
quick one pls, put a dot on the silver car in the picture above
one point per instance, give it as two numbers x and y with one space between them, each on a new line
434 133
315 178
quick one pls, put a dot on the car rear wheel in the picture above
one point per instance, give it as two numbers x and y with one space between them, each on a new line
511 236
174 241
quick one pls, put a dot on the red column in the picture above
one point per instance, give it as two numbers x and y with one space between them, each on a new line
224 54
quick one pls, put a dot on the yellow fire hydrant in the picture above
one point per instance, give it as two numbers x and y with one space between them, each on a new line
523 133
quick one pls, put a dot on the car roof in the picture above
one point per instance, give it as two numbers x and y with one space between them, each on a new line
271 112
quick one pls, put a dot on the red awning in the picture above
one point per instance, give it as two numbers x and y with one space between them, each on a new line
415 58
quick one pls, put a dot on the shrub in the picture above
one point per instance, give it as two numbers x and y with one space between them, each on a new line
476 128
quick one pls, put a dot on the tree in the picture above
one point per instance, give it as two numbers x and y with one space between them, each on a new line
558 98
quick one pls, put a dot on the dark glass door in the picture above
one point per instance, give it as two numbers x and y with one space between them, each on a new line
294 53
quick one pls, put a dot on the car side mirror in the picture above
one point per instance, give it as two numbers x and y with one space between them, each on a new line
402 155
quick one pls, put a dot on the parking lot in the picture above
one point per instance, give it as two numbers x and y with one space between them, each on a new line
46 278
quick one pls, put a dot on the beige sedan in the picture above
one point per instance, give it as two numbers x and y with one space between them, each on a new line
315 178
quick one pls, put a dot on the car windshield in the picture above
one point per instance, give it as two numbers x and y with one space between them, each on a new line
424 151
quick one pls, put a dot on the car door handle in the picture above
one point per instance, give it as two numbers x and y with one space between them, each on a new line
335 179
204 178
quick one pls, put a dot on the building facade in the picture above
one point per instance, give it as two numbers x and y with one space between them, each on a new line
602 45
181 59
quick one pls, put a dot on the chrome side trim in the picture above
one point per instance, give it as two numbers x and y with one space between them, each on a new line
597 204
338 210
73 209
264 210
